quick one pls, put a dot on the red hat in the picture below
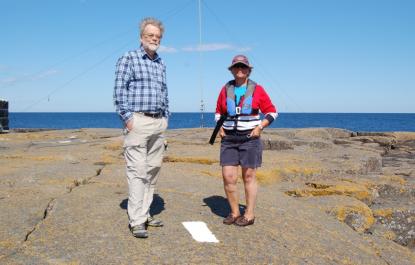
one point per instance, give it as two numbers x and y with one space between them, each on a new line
240 59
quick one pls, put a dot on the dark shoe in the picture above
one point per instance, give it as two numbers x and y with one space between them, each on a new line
154 222
139 231
230 219
242 221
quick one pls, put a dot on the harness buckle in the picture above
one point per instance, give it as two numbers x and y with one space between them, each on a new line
238 110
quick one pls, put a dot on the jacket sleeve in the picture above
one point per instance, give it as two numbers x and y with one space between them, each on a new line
221 104
265 104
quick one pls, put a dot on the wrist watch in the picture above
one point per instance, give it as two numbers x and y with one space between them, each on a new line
261 127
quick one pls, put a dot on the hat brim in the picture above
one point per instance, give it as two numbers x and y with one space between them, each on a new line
232 65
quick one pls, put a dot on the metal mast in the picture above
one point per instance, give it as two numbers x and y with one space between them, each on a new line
202 104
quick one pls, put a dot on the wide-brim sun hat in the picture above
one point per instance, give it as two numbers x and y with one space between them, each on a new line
240 59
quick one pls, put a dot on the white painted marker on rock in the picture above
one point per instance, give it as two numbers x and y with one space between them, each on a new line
200 232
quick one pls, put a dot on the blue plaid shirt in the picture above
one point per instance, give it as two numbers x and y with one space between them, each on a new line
140 85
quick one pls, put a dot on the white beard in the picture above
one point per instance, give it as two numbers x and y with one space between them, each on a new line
152 47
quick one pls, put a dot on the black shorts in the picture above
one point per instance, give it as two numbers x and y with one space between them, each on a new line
241 150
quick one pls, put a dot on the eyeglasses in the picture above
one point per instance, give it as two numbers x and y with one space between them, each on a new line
240 65
151 36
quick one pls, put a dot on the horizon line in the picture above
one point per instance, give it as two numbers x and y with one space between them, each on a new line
288 112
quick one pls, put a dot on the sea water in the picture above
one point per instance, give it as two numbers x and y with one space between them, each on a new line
376 122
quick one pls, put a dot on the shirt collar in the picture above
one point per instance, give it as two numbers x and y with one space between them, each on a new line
145 55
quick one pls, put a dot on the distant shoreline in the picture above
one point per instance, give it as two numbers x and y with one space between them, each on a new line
195 112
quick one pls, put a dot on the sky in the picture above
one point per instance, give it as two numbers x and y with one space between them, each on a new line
309 55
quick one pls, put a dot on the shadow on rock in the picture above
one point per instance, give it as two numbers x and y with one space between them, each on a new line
220 206
157 206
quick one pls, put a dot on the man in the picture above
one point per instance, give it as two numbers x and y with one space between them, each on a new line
140 97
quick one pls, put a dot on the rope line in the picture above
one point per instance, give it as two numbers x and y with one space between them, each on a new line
89 69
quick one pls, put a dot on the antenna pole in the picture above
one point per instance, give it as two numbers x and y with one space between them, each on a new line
202 104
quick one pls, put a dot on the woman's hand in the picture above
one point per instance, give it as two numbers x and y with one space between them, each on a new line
222 132
256 132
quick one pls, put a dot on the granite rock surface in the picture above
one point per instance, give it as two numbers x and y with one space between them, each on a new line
327 196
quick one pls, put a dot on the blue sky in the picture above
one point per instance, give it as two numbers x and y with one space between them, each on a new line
311 56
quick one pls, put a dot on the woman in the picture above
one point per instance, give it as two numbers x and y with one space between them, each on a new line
241 100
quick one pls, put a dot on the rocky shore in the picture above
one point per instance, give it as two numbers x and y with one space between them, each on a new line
327 196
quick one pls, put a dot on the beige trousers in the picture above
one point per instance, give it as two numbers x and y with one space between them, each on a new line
143 152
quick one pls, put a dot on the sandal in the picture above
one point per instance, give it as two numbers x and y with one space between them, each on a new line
230 219
242 221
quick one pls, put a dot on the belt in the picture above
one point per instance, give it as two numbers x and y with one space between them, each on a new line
238 133
237 138
157 115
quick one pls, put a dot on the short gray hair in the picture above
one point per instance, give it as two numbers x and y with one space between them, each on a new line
151 21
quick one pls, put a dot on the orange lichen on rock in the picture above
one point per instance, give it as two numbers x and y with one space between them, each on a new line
268 176
301 170
357 191
387 212
359 217
393 178
107 159
114 146
195 160
31 157
44 158
212 174
390 235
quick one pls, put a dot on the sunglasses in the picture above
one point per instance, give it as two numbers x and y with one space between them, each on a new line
240 65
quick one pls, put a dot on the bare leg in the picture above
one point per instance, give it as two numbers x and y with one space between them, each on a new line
230 177
251 189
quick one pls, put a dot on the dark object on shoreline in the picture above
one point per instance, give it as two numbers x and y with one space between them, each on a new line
4 116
